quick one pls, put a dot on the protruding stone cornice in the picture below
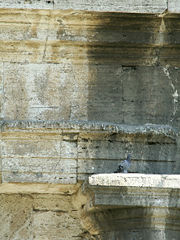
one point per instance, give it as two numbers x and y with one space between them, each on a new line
143 190
150 131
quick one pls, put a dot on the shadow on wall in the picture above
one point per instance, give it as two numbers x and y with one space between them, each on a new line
136 223
129 83
133 80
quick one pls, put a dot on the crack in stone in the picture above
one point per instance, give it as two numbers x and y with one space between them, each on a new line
175 94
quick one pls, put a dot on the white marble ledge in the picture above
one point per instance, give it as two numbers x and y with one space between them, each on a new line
135 180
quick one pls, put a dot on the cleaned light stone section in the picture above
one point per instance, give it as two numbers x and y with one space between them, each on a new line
45 91
137 6
174 6
136 180
34 4
38 158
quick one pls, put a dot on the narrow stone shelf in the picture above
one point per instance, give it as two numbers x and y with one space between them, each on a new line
136 180
142 190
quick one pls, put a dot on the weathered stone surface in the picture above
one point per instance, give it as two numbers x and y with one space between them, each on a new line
32 188
44 92
134 98
38 159
58 226
115 5
39 216
68 151
142 234
98 65
136 180
56 66
174 6
15 212
133 205
62 37
135 190
136 6
36 4
137 223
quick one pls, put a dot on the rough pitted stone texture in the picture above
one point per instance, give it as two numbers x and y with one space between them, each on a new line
39 216
136 180
33 158
136 223
89 68
135 190
174 6
136 6
133 205
68 151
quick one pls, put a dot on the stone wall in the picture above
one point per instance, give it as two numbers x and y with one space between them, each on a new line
74 65
39 216
82 83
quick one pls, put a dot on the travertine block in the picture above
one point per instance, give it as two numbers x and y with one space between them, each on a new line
54 203
22 177
136 180
39 158
47 92
136 6
65 152
30 148
35 4
38 216
39 165
135 190
16 217
69 149
173 6
59 225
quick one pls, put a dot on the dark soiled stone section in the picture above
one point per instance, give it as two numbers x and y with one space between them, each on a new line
136 76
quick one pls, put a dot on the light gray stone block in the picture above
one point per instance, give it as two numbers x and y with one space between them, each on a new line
69 149
30 147
161 181
174 6
39 170
35 4
38 165
23 177
135 190
135 6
